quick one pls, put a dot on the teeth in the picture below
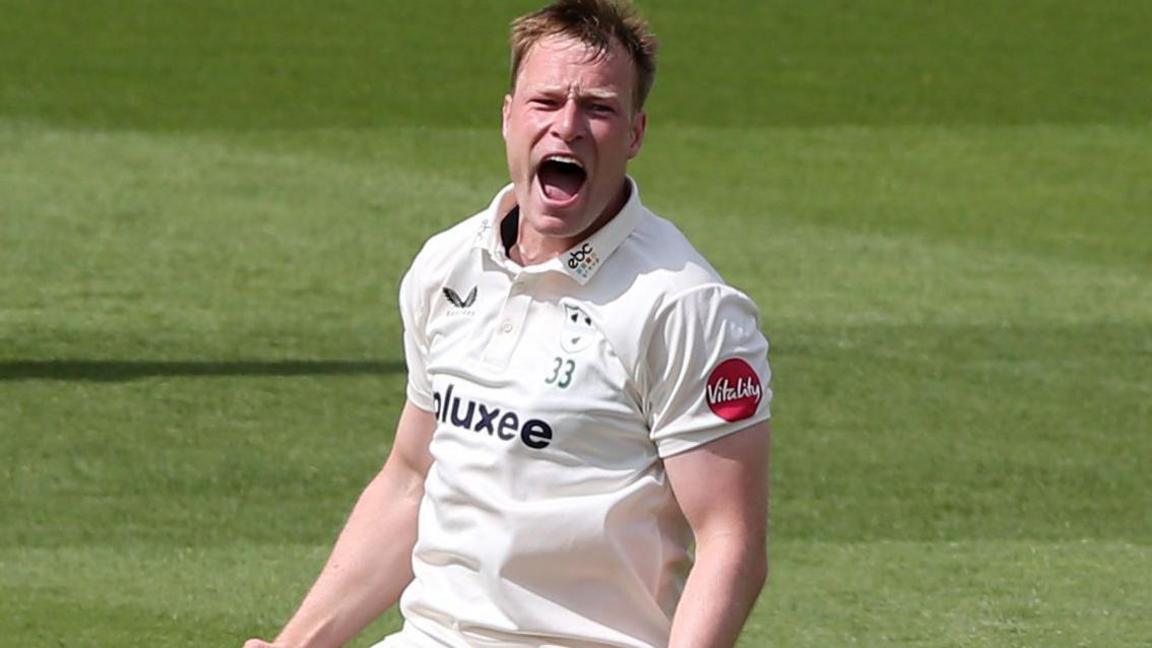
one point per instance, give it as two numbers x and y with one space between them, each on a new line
565 159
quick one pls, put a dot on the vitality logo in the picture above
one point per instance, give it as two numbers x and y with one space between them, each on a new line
733 391
454 298
480 417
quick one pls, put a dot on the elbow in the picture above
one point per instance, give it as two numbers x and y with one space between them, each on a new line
754 561
757 569
753 556
745 561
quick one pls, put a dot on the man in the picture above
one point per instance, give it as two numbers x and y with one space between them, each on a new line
586 397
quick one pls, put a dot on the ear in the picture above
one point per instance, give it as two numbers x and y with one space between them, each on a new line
504 115
639 123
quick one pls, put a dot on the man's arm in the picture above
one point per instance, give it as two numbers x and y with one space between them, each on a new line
371 562
722 488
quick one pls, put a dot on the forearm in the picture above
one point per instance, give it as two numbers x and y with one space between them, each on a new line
721 590
369 567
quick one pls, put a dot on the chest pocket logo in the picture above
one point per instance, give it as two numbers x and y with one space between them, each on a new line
578 332
460 304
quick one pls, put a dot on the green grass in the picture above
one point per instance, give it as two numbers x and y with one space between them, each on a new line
205 209
989 593
253 64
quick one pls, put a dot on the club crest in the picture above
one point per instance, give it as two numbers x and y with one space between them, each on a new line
578 332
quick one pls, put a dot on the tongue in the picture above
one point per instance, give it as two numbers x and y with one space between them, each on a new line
559 183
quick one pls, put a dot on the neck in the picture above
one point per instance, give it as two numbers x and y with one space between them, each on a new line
532 248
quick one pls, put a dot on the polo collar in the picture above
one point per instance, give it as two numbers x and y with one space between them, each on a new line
581 261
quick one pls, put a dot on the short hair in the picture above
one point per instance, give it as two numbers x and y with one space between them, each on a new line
596 23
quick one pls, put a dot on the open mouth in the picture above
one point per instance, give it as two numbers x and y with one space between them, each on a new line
561 177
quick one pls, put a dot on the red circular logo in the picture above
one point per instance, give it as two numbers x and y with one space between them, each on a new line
733 390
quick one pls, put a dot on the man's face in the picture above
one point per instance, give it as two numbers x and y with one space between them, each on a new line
570 128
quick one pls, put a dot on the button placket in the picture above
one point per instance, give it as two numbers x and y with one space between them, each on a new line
509 325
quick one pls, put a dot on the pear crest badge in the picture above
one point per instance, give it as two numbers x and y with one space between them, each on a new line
578 332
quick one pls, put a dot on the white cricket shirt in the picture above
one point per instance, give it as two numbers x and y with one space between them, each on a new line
547 518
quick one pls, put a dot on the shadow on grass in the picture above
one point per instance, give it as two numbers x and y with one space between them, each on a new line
123 370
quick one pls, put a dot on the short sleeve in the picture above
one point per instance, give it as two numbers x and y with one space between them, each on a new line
707 371
413 313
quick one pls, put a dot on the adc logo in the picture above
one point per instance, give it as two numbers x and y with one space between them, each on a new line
583 260
733 390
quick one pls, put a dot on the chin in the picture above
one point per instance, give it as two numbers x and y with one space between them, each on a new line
557 224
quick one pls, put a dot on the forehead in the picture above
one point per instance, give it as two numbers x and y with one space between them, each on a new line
565 62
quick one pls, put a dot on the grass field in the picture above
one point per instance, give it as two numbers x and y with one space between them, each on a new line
943 209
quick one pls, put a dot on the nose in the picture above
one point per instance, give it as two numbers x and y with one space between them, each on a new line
568 124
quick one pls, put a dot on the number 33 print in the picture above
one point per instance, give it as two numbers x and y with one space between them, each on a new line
561 372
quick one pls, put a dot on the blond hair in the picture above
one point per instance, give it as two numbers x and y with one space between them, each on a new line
596 23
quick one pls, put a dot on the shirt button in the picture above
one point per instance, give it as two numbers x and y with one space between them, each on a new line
506 327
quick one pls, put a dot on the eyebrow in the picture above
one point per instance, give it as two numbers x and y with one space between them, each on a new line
591 93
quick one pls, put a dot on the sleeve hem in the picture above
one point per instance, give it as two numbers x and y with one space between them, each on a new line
676 445
420 399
